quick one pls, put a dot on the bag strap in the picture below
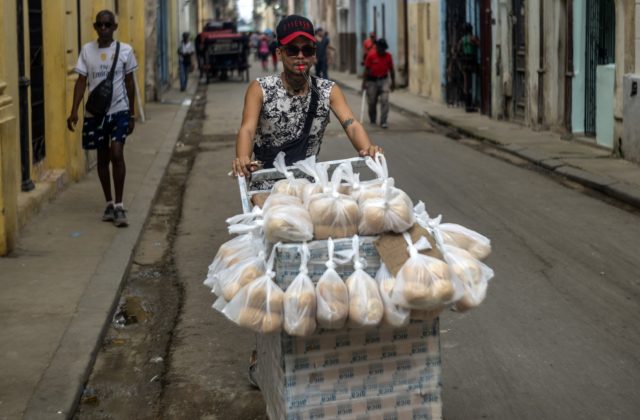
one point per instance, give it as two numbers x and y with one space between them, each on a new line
112 72
311 112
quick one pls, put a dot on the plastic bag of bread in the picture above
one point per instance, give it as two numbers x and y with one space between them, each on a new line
423 282
258 305
290 185
300 301
453 234
475 243
388 209
393 314
332 297
247 244
471 276
235 277
286 220
333 214
366 189
365 304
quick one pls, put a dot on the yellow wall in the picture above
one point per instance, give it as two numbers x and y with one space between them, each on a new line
9 156
424 48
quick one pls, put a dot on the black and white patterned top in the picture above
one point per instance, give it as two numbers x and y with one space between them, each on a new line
282 117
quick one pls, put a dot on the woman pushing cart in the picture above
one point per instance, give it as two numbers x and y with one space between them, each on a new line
290 111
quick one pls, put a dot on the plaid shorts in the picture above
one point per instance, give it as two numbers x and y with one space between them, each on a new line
97 131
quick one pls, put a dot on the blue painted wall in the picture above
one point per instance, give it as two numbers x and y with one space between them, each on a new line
579 58
390 23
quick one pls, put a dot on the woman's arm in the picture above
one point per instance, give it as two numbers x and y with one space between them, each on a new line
354 129
241 165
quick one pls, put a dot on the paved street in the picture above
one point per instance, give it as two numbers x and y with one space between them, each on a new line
557 337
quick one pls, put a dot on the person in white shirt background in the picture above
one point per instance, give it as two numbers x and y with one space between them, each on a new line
185 58
107 134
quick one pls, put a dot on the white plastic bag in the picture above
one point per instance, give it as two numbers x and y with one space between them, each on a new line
423 282
388 209
246 245
333 214
236 276
316 170
290 185
475 243
286 220
332 296
365 304
300 301
453 234
393 314
259 305
472 275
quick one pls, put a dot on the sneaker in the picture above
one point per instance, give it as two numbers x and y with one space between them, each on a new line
107 216
384 125
120 217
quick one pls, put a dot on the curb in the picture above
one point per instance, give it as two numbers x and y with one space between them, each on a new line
62 383
627 193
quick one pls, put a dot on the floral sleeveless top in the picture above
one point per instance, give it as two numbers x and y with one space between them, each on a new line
283 116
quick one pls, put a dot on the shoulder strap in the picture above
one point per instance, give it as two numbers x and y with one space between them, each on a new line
112 72
311 113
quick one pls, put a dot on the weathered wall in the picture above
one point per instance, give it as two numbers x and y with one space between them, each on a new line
424 48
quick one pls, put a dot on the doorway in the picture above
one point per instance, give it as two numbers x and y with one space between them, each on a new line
600 50
37 81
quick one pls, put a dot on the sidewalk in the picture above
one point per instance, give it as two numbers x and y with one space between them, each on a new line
61 283
582 163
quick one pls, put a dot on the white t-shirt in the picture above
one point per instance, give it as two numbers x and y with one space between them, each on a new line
186 49
95 63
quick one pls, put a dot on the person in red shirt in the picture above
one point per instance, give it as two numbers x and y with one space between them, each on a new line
378 80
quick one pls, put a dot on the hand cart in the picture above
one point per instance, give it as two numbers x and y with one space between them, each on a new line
378 373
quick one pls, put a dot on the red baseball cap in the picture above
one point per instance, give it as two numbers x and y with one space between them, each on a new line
294 26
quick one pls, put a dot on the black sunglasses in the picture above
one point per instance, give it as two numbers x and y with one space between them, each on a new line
107 25
293 51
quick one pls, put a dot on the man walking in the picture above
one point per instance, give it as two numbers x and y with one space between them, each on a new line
107 133
185 55
378 66
322 54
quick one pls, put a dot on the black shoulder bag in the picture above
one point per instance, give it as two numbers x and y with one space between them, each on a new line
297 149
99 100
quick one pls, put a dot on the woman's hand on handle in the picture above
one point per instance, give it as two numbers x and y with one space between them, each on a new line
371 151
242 166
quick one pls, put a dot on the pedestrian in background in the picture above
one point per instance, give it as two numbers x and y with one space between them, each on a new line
322 51
263 52
467 54
378 80
185 60
107 134
273 46
200 52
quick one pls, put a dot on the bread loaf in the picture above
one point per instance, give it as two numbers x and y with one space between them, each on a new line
332 300
459 236
333 215
293 186
390 211
365 304
290 223
423 283
471 275
271 323
250 318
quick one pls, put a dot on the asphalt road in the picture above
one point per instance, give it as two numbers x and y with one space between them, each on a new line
557 337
